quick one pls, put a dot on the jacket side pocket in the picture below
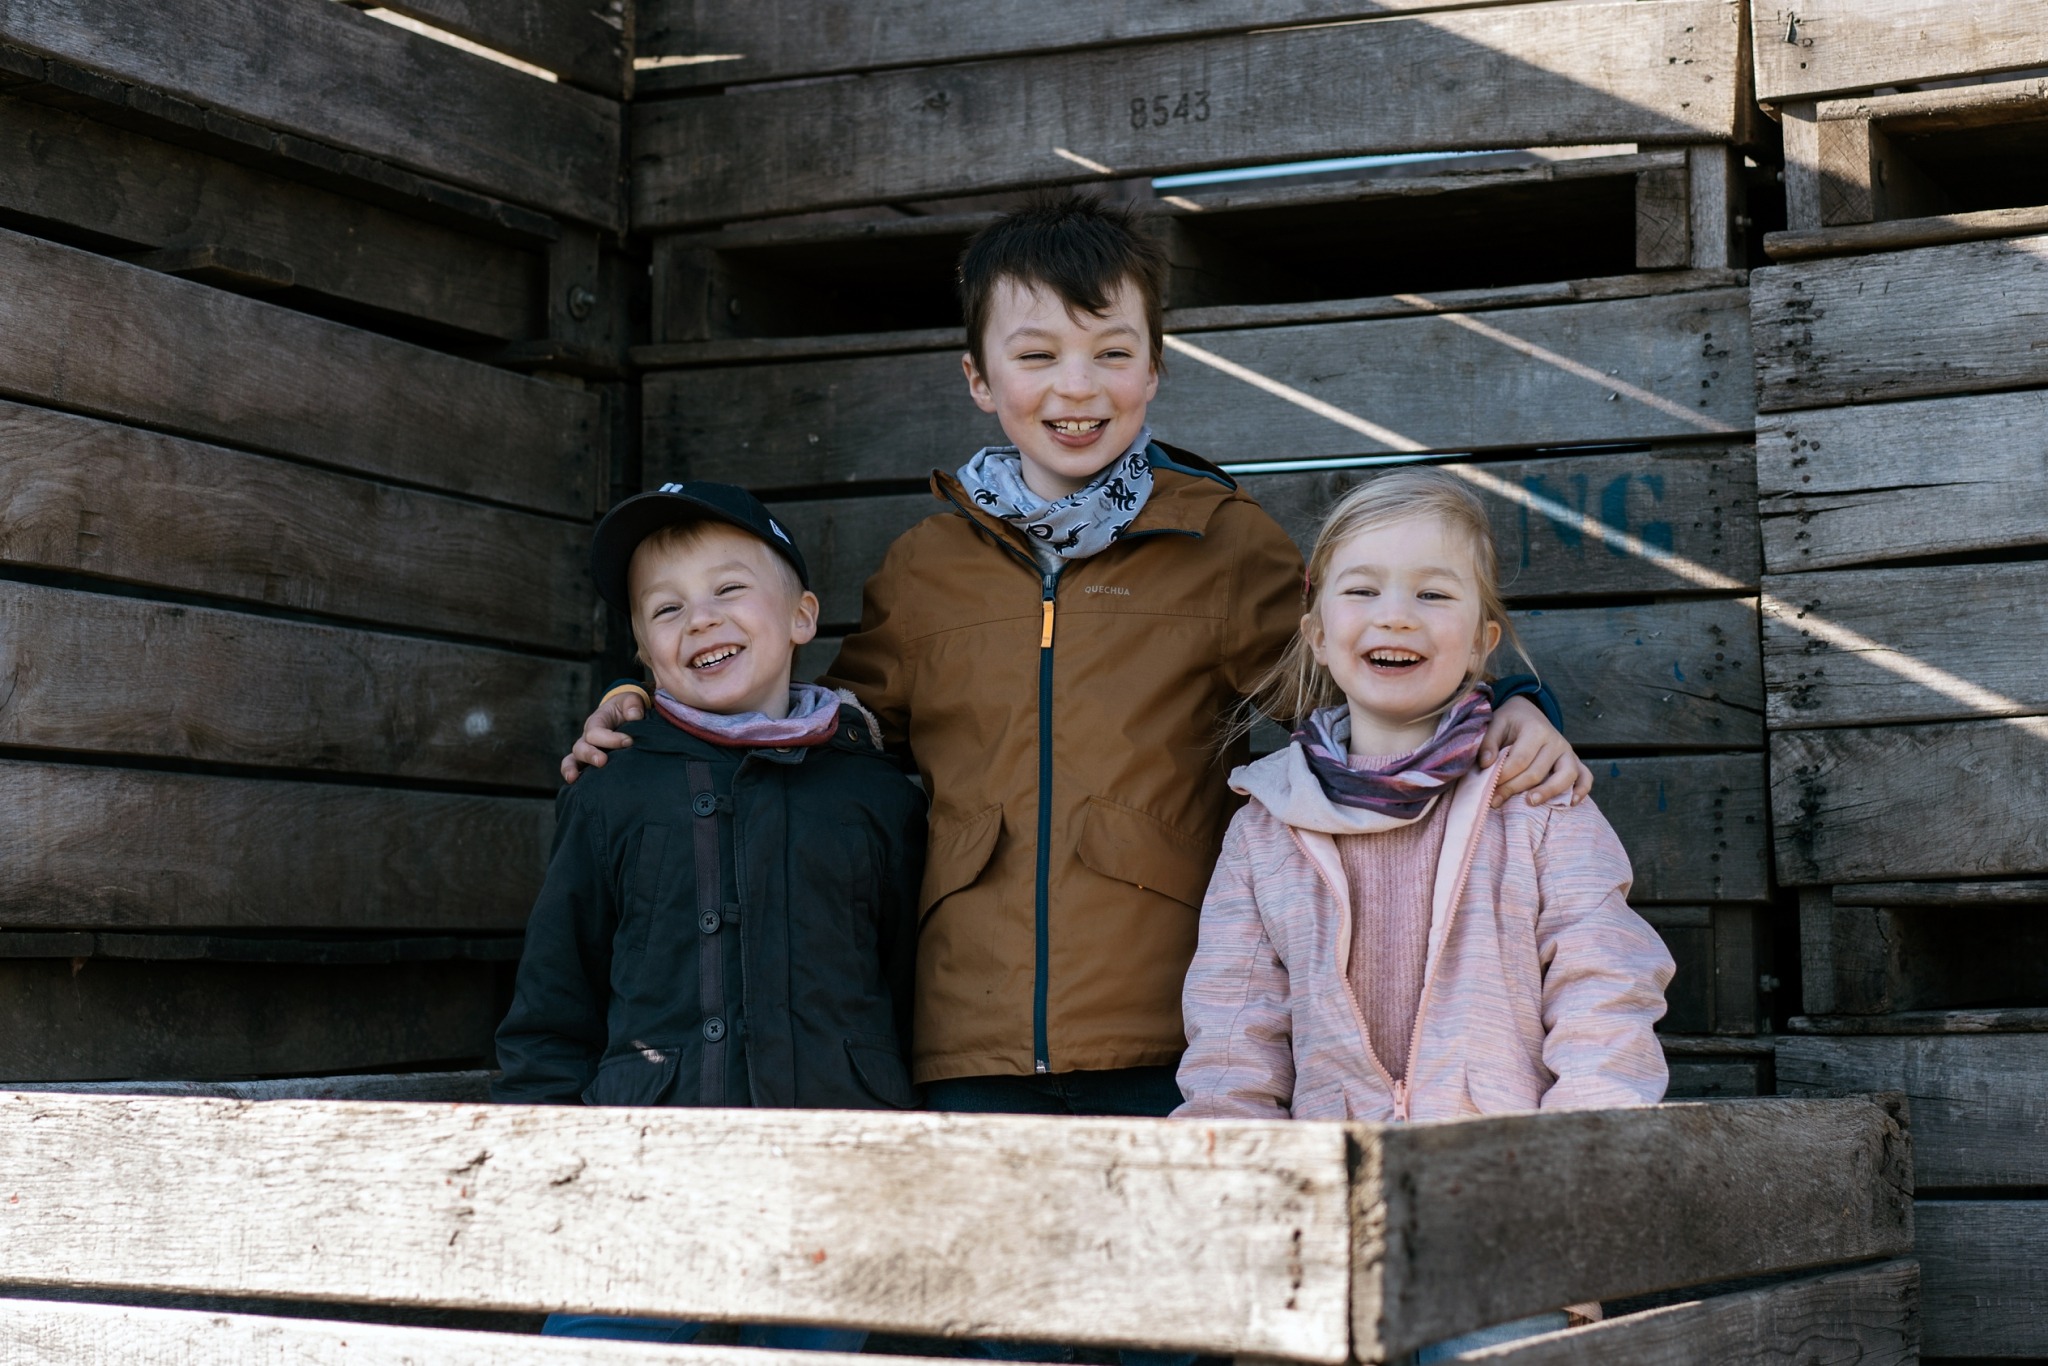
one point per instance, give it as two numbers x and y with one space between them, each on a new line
1130 846
958 852
645 1077
878 1067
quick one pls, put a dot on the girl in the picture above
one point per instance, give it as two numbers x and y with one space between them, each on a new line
1379 942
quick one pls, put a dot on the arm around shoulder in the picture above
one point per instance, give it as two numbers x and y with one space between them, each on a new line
1240 1022
1604 968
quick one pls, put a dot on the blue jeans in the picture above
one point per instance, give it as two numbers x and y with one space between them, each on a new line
1140 1092
1491 1337
788 1336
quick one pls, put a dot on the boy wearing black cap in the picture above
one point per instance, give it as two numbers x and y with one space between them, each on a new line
729 916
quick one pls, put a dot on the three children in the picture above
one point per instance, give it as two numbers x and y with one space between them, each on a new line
1058 649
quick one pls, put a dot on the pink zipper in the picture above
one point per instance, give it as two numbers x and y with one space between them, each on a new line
1450 919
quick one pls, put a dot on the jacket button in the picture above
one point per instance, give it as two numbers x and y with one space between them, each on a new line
704 804
707 921
714 1029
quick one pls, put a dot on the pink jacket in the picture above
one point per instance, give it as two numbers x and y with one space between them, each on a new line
1540 991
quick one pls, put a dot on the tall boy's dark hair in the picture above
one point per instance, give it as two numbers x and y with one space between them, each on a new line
1073 244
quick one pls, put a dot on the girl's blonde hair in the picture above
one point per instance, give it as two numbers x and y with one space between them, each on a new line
1297 685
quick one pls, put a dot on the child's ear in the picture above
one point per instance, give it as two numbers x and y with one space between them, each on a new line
1489 641
803 626
1312 633
977 386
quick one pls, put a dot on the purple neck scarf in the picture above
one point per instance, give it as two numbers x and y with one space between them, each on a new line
813 719
1404 788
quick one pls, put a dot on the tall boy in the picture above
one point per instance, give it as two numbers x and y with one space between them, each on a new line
1059 647
729 913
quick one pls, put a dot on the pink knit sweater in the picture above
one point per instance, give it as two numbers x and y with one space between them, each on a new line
1390 875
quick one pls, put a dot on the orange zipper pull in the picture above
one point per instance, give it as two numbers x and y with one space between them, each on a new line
1045 636
1401 1099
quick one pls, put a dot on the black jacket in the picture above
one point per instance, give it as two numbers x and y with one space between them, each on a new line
785 983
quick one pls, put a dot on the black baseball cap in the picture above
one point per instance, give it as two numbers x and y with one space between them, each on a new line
638 517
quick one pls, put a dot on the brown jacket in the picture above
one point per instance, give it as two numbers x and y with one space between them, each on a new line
1068 735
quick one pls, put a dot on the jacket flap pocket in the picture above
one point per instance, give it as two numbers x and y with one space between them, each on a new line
959 850
1145 851
878 1067
646 1076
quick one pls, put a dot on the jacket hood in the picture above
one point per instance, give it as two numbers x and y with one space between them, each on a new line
1283 783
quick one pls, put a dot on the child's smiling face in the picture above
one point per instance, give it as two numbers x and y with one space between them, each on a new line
1399 624
1069 388
719 617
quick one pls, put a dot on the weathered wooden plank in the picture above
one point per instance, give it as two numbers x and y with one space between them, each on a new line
53 1333
1954 799
686 43
94 673
2028 892
1693 825
1866 1317
1717 1078
1876 960
1869 646
1840 486
241 853
1453 1231
58 166
1664 71
90 497
1982 1290
1822 46
108 1018
1230 1237
1979 1103
1219 317
472 1087
1716 991
1672 675
1940 320
1623 370
92 334
1857 239
585 42
215 948
2006 1020
330 73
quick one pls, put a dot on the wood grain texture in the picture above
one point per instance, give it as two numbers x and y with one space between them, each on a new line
1914 619
2025 892
1866 1317
1979 1103
90 497
1695 502
1717 1078
472 1086
58 166
1910 324
1521 76
585 42
1982 1292
1844 45
106 1019
1468 1222
1904 234
199 683
247 853
84 332
772 39
44 1333
329 73
969 1225
1860 805
1675 675
1841 486
1422 383
2002 1020
1693 825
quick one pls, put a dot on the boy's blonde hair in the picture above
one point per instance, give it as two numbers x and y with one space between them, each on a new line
1297 685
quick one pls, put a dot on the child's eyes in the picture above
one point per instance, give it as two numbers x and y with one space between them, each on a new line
726 588
666 610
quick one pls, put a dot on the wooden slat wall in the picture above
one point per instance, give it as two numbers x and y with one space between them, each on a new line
293 599
1821 47
326 72
1519 76
586 42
